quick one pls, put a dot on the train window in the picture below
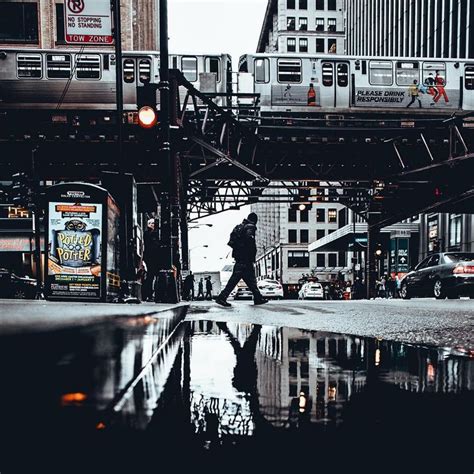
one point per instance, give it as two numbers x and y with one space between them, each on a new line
262 70
328 74
342 75
29 65
380 73
434 71
58 66
88 66
129 71
189 68
213 64
407 72
469 78
144 71
289 70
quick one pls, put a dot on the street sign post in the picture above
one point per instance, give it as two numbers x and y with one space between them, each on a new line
88 22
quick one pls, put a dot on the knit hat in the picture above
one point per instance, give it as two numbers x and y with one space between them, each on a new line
252 217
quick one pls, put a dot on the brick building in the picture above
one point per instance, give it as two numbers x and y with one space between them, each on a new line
40 24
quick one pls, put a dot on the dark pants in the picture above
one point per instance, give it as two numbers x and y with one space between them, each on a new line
148 284
246 272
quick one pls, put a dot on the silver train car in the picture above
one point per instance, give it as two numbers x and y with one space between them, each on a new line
344 84
68 79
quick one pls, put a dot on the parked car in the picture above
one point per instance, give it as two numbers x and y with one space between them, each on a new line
270 289
442 275
13 286
243 293
311 290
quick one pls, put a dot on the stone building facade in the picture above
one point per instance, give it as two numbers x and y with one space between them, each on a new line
40 24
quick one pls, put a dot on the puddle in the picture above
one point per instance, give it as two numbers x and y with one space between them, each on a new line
221 393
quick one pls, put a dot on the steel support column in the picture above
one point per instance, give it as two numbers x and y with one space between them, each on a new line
166 289
370 260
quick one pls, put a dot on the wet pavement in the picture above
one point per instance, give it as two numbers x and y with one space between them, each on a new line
142 394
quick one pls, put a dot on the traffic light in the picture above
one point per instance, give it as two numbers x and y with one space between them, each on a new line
301 202
378 251
22 193
146 102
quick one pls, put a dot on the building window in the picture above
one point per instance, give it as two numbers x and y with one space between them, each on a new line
342 259
332 260
332 216
303 4
303 24
304 236
290 4
320 45
319 24
469 78
320 215
303 45
332 46
304 215
319 4
298 259
320 259
291 23
320 233
60 23
291 45
455 227
331 24
291 215
332 5
18 22
292 236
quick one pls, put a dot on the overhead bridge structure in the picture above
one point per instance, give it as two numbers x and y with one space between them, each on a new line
386 167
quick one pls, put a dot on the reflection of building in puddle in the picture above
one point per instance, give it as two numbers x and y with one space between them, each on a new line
302 376
214 418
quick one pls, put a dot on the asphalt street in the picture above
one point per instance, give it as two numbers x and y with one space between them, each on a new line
443 323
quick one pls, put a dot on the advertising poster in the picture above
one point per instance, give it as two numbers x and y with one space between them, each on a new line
74 250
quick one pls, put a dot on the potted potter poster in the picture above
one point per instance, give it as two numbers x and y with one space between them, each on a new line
74 250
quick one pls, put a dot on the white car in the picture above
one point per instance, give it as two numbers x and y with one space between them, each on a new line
270 289
243 293
311 290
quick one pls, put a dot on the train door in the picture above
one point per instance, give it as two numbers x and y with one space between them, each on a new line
468 92
335 84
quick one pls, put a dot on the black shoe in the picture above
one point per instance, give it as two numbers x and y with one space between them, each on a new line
262 301
222 302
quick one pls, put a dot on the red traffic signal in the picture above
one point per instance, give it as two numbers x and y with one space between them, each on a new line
147 117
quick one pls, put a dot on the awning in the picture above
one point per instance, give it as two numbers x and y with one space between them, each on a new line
354 237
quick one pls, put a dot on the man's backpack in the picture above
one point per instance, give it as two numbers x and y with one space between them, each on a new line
236 236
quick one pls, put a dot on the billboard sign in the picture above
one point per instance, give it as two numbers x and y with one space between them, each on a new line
74 249
88 22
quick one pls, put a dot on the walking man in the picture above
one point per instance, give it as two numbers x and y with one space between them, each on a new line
200 294
208 288
242 241
151 258
414 93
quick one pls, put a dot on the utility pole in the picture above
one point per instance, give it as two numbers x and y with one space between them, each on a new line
167 287
36 208
124 204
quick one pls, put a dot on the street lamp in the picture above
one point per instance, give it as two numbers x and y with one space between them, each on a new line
195 226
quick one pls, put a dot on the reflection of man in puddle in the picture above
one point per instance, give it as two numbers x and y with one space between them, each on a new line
246 372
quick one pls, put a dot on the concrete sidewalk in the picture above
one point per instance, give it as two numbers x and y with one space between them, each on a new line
28 316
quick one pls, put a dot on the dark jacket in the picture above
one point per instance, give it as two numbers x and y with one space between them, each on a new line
246 249
151 251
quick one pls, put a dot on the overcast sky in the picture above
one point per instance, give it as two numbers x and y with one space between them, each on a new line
214 26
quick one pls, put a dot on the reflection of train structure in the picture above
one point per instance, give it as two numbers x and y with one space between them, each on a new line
312 83
75 79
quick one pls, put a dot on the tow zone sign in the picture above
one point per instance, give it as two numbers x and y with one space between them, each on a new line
88 22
